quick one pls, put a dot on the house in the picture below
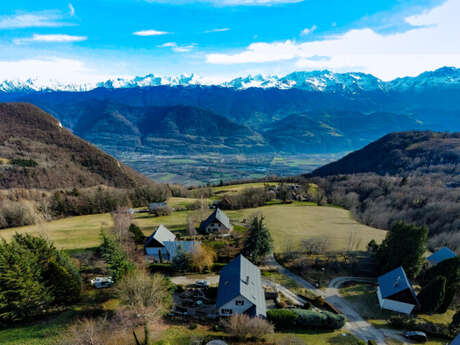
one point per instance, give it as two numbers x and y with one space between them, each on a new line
153 206
240 289
162 245
395 292
216 222
441 255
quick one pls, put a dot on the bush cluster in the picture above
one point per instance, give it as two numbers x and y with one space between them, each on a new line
305 319
247 198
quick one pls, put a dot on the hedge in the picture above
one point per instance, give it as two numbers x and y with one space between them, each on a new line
305 319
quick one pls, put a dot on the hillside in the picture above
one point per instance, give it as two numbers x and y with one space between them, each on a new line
163 130
401 153
37 152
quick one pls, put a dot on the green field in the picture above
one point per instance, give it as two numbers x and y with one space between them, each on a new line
288 223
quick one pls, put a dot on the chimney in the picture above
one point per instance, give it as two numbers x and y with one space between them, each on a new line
397 281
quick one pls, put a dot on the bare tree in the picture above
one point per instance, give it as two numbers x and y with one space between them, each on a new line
192 220
244 327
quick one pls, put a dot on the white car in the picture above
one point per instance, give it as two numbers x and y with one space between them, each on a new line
202 283
101 282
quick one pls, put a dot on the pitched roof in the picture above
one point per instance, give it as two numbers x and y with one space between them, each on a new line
219 215
161 234
154 205
241 278
441 255
173 247
394 282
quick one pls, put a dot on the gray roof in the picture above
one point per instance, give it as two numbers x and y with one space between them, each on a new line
394 282
219 215
173 247
241 278
441 255
161 234
154 205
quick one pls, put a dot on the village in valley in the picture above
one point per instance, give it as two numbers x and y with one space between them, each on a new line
228 272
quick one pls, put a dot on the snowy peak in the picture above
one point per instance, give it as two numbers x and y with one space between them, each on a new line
318 81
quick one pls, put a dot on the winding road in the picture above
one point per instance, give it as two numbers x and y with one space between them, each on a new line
355 323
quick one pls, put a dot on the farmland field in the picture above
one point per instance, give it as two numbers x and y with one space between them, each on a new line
289 223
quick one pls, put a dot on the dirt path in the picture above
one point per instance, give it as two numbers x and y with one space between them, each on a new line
189 280
355 323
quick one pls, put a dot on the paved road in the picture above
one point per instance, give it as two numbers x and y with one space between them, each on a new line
355 323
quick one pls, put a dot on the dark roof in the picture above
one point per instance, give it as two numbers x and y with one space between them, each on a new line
173 247
241 278
219 215
161 234
441 255
394 282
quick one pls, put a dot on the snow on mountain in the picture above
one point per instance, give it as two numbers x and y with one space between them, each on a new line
321 81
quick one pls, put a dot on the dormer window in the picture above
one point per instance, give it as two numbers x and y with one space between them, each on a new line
239 302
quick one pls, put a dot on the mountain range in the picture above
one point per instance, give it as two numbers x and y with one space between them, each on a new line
322 81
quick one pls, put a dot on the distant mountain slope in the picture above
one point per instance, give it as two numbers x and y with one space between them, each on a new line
333 131
400 153
163 130
37 152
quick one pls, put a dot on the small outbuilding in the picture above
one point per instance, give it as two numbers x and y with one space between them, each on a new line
441 255
154 206
217 222
240 289
396 293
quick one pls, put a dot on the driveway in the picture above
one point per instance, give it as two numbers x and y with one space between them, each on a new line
213 279
356 325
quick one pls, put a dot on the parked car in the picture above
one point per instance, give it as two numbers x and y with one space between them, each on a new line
417 336
101 282
202 283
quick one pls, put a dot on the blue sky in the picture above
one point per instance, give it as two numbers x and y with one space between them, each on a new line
84 40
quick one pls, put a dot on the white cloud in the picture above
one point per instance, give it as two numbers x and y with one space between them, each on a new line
71 10
308 31
52 68
32 20
177 48
58 38
431 43
229 2
217 30
150 33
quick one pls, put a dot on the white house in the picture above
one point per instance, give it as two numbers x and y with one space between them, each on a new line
217 222
240 289
396 293
162 245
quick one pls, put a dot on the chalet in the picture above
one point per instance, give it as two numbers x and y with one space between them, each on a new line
240 289
395 292
216 222
441 255
162 245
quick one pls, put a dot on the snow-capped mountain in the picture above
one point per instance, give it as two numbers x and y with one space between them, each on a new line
321 81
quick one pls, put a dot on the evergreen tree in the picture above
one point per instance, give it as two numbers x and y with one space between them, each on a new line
432 295
139 236
258 242
115 257
404 246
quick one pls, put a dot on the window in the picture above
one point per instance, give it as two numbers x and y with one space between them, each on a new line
238 302
227 311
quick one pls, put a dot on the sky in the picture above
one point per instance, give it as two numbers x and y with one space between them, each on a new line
88 41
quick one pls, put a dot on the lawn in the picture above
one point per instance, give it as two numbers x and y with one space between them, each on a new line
290 224
232 189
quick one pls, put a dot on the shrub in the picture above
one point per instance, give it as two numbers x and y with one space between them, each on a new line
432 295
282 318
163 211
25 163
371 342
244 327
193 326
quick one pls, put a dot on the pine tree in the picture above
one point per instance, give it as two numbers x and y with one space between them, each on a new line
432 295
258 242
403 246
